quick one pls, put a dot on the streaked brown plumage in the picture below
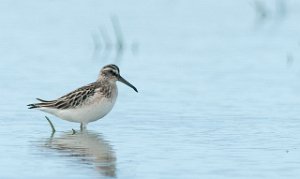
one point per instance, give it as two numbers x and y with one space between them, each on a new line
97 96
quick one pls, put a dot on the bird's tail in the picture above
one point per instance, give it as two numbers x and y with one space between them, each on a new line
44 103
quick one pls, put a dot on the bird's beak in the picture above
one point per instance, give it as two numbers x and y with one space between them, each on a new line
121 79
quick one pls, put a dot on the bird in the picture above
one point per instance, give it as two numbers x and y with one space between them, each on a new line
88 103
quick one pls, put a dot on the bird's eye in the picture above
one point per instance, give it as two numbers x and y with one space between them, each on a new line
112 73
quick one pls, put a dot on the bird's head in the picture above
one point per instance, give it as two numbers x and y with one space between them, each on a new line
112 74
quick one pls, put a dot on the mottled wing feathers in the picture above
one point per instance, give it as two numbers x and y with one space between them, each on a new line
75 98
42 100
70 100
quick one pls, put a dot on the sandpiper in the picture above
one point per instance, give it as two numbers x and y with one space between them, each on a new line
88 103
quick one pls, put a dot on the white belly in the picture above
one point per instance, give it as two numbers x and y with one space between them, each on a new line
94 109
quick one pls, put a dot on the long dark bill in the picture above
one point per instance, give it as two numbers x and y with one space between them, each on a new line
121 79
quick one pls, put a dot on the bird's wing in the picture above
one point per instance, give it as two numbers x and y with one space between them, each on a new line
69 100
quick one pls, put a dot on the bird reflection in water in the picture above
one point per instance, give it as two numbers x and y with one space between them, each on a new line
89 147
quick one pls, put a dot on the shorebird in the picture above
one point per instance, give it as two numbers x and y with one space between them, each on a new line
88 103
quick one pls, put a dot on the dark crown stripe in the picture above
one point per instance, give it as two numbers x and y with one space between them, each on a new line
115 67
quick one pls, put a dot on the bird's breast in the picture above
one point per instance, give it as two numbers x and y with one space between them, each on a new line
94 108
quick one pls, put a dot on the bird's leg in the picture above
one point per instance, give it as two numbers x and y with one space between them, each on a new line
51 125
82 126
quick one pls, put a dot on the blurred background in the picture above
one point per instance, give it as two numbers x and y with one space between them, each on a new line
218 81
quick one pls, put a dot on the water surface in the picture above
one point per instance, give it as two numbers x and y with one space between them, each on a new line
218 89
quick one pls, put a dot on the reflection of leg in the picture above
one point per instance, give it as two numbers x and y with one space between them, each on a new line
82 126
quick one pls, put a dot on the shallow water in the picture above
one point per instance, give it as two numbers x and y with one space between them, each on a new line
218 89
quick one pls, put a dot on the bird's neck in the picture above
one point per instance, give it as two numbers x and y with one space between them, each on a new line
107 87
102 78
106 81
